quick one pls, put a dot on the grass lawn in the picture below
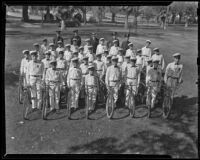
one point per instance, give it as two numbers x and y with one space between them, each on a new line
177 137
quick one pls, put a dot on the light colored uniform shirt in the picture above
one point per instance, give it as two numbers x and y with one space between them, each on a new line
68 55
100 67
84 69
90 57
154 75
40 55
120 60
132 73
85 49
53 76
44 48
123 68
35 69
91 80
146 53
74 48
54 55
114 51
46 63
59 49
24 65
113 74
161 60
140 62
74 73
174 70
100 48
61 63
80 56
130 52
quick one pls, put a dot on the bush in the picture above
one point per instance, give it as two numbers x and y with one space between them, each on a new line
92 20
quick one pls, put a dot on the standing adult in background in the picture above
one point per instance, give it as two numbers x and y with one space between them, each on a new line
94 42
37 48
125 43
57 38
110 43
76 36
44 46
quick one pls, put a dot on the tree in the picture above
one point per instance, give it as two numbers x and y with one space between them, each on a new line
127 10
84 10
25 17
98 12
148 12
136 12
113 10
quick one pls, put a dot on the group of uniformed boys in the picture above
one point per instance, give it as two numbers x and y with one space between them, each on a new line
76 66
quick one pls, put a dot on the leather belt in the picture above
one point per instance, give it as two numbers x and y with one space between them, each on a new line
114 81
99 70
36 75
60 68
75 79
131 78
54 81
154 81
172 77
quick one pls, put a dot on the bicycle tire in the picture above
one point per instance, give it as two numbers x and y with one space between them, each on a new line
20 92
110 106
44 106
131 105
26 105
167 103
148 103
68 105
87 106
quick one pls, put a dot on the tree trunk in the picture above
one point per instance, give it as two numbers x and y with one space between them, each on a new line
47 13
25 17
135 23
113 17
126 22
180 18
186 22
42 17
84 16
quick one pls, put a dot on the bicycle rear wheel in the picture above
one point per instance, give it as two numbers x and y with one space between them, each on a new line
148 103
20 93
167 103
26 105
44 106
87 106
68 104
131 105
110 106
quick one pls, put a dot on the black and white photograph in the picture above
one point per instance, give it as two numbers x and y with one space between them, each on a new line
86 79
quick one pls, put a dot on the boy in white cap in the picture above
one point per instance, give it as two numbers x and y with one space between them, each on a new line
101 46
124 65
62 65
146 51
60 47
74 81
140 60
54 79
91 83
104 56
81 54
37 49
120 57
51 47
113 77
100 66
132 76
86 46
85 71
44 46
74 46
35 71
46 61
90 54
68 53
130 52
174 72
154 76
114 49
108 62
159 56
23 67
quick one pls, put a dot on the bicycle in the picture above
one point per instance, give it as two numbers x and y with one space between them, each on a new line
110 105
88 87
131 99
20 90
168 100
102 93
26 102
149 97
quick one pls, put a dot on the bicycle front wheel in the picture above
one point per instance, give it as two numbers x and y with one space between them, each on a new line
44 106
131 105
26 106
167 103
20 94
68 104
110 106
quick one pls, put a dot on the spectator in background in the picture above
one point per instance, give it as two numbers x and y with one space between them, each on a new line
44 46
94 42
76 36
125 43
110 43
57 38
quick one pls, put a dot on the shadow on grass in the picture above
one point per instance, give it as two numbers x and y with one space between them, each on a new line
11 79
